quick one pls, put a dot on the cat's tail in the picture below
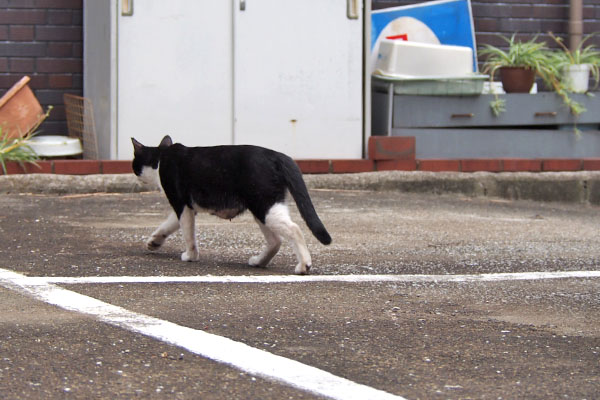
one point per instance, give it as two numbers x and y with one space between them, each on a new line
297 188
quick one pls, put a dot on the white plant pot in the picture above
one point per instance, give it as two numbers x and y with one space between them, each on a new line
577 77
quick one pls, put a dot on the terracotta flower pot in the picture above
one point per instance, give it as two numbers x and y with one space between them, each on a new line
517 79
20 110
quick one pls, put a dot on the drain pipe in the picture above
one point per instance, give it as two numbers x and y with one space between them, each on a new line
575 23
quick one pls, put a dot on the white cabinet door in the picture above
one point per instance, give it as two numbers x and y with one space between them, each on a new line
298 77
174 71
281 74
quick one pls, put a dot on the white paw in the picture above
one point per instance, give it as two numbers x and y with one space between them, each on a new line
190 256
255 261
302 269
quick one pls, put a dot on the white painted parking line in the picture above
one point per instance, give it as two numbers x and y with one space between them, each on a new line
251 360
248 359
518 276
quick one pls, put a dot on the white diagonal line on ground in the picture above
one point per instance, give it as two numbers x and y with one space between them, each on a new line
217 348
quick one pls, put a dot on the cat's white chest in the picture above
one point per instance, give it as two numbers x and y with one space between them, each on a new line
150 176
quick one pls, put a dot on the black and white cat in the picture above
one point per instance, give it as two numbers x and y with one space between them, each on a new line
225 181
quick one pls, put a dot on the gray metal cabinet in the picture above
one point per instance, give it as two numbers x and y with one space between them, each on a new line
473 111
533 125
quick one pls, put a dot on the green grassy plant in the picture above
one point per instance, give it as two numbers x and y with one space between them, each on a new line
588 55
17 149
535 55
530 54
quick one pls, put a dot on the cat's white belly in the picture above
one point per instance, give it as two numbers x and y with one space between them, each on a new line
226 213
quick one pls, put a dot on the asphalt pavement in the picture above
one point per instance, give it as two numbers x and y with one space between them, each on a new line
424 293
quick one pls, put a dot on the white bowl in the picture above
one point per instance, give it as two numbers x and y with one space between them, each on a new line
55 146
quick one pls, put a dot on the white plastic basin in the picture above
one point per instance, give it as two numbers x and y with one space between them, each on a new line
413 59
55 146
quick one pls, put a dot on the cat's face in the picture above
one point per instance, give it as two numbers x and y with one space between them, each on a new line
146 160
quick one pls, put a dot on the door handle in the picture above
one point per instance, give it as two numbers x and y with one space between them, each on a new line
352 9
127 8
546 114
242 5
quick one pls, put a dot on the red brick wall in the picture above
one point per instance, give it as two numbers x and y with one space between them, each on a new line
43 39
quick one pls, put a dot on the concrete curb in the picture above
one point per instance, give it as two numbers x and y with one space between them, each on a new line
578 187
71 184
574 187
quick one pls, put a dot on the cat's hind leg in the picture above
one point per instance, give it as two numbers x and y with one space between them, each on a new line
187 222
273 245
170 225
278 220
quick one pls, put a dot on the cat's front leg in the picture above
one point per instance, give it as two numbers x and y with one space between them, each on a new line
186 221
170 225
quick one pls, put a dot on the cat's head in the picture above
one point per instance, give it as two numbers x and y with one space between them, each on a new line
146 159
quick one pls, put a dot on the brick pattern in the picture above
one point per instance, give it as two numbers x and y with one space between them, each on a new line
591 164
352 166
40 167
43 39
489 165
314 166
86 167
392 148
562 165
396 165
516 164
439 165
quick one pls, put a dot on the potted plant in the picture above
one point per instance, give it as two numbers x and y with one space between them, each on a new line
533 56
577 64
18 148
20 110
518 64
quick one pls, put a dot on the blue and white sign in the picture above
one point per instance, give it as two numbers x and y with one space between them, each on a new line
448 22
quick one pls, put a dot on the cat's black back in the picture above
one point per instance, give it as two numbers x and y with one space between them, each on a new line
223 177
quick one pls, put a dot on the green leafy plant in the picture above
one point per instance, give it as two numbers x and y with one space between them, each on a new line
533 55
17 149
587 55
530 54
498 105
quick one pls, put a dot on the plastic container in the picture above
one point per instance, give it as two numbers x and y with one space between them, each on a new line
469 85
401 58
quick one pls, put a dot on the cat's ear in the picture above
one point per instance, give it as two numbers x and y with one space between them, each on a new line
137 146
166 141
